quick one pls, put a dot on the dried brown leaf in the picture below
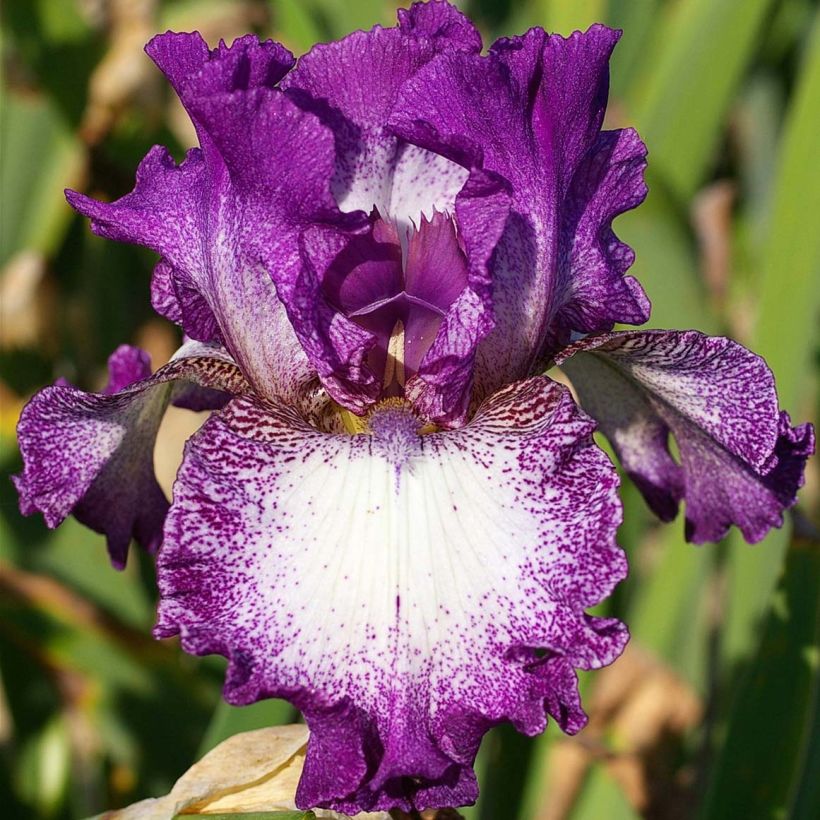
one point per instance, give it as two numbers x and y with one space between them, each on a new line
27 301
639 712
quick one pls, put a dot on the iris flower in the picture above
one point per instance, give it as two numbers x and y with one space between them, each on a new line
393 518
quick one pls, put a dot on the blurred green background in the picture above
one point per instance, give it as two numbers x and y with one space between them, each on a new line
713 711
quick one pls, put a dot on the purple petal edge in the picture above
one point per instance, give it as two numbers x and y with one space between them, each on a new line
741 461
91 454
399 681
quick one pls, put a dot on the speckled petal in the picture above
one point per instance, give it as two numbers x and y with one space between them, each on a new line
405 591
741 461
92 454
531 111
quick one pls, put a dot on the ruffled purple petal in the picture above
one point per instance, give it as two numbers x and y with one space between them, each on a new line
175 296
593 293
442 23
405 591
211 278
245 64
531 111
92 454
741 461
352 85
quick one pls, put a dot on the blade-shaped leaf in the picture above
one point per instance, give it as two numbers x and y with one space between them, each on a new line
771 727
700 49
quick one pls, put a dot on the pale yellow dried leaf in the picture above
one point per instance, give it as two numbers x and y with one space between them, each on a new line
252 771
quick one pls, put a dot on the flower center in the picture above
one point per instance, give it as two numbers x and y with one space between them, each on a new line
401 298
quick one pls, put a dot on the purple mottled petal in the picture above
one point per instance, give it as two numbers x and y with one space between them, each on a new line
175 296
211 278
592 292
741 462
160 213
126 365
91 454
501 534
195 71
531 111
185 59
179 55
442 23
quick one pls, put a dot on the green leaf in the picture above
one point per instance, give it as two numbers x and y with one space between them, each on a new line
506 763
789 287
786 331
667 612
294 23
564 18
635 18
771 731
665 262
602 797
699 51
40 157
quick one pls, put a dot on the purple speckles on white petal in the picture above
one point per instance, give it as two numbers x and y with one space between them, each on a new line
398 587
741 462
91 454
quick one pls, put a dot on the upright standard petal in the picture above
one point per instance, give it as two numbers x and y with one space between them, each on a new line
531 111
92 454
211 278
443 23
405 591
353 84
741 461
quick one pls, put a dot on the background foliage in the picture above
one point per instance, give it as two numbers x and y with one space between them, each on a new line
713 711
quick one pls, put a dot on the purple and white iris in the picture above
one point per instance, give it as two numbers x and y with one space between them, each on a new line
393 519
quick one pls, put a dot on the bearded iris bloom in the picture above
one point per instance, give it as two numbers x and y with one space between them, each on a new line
392 518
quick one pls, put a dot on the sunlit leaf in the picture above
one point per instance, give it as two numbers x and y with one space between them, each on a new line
700 49
40 158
